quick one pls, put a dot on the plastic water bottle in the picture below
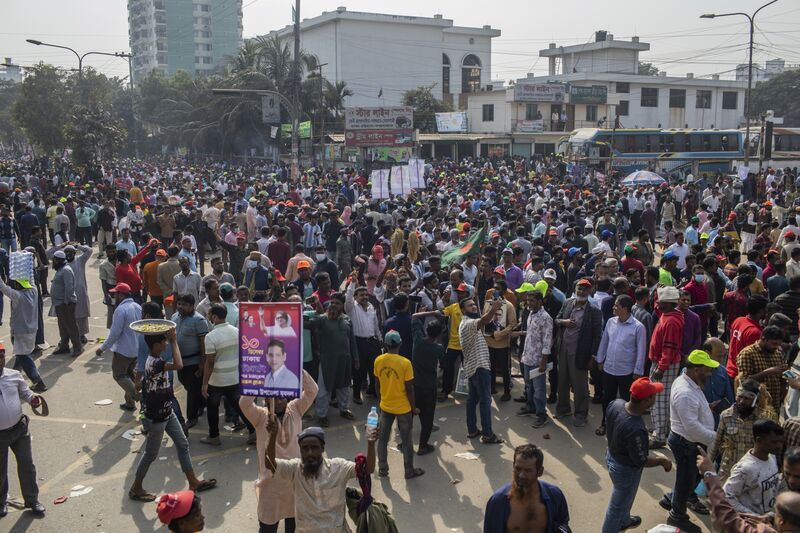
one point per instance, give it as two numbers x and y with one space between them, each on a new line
372 419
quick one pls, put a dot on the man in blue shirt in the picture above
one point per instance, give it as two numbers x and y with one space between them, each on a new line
547 503
123 343
191 329
401 323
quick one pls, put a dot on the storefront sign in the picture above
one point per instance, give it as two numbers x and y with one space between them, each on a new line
379 138
379 118
596 94
538 92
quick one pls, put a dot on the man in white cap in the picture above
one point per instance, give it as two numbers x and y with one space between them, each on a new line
78 265
62 306
665 354
24 324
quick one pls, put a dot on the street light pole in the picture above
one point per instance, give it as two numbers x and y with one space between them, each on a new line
750 18
321 115
293 113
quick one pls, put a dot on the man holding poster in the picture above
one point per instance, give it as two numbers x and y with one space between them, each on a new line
270 350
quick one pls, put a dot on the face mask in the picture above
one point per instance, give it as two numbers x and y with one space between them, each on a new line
251 263
320 257
699 278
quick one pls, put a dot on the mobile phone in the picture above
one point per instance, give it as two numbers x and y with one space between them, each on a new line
789 374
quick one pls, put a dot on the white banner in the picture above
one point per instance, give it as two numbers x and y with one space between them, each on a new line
270 110
451 122
379 118
401 184
416 171
380 183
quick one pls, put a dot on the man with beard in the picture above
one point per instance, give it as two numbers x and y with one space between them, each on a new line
318 483
276 498
764 362
692 424
62 306
527 503
78 266
337 356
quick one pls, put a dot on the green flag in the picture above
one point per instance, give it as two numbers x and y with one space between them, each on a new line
470 247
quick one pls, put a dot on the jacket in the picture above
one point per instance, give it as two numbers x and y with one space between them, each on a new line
498 508
590 334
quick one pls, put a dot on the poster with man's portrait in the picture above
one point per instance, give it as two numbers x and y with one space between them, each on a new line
270 349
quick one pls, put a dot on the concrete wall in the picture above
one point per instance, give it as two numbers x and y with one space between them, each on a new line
603 60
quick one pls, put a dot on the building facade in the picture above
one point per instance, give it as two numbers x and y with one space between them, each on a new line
381 56
771 68
196 36
598 85
10 72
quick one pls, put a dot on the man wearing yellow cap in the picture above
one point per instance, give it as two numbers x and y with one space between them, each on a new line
24 323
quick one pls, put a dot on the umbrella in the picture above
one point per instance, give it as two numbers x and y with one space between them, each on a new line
643 177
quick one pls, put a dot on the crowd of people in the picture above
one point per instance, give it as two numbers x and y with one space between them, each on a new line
677 300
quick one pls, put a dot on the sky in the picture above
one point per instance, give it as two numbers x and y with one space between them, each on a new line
680 42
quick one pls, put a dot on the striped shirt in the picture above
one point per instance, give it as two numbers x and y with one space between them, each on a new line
222 343
473 346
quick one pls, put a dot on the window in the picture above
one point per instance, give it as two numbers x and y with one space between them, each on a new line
623 87
622 108
205 8
206 60
445 74
471 74
703 100
729 99
488 112
531 110
677 98
591 113
649 97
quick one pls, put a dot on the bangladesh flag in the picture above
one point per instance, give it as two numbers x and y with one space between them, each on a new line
470 247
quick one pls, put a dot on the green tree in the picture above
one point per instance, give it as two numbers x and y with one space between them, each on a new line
425 107
11 137
780 94
40 111
94 134
647 69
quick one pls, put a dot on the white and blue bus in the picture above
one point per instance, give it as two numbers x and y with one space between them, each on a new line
676 151
785 148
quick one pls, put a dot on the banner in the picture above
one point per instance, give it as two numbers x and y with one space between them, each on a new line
596 94
379 138
530 126
451 122
400 181
472 246
379 118
123 183
391 154
270 110
416 171
538 92
380 183
270 349
303 130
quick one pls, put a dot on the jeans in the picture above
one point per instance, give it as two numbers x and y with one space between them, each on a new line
686 475
480 395
288 526
176 408
323 401
25 362
404 424
535 391
626 483
448 364
426 403
122 369
18 438
9 245
193 384
215 395
153 444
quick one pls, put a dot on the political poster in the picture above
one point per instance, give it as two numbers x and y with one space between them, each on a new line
538 92
416 171
379 118
270 349
400 181
451 122
380 183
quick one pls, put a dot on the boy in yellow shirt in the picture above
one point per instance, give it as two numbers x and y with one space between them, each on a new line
395 389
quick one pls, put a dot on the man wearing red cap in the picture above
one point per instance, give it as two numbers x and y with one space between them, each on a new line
628 452
124 343
181 511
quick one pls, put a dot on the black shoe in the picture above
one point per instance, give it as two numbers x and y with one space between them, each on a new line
84 340
697 507
635 521
425 450
552 399
494 391
521 399
684 524
347 415
61 350
39 386
323 422
192 422
126 407
505 397
357 400
3 509
665 502
36 508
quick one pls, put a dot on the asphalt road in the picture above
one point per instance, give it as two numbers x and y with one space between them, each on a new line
81 443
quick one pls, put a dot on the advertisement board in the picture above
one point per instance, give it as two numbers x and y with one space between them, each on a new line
538 92
530 126
303 130
270 109
270 349
379 138
379 118
451 122
596 94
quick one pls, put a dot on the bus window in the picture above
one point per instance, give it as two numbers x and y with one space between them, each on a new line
654 143
778 143
641 143
795 143
679 141
696 143
669 142
733 143
723 140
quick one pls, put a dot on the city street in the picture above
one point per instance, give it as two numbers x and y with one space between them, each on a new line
82 443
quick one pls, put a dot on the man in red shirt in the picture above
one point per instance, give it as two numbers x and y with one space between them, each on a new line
745 330
735 302
630 261
665 354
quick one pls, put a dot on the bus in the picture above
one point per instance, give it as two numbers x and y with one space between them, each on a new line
675 151
785 148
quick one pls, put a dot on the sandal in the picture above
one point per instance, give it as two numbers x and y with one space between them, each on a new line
145 497
415 473
494 439
383 472
600 431
206 484
473 435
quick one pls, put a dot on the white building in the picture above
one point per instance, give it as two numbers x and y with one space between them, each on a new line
381 56
10 72
588 85
771 68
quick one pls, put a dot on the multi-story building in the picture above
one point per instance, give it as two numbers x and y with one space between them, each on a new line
771 68
381 56
192 35
10 72
598 85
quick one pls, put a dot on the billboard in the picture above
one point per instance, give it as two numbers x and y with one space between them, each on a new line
270 349
303 130
530 126
596 94
451 122
538 92
379 118
378 138
270 109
